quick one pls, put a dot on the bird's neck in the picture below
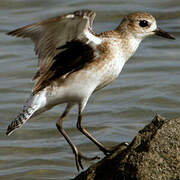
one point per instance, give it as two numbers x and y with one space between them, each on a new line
129 43
122 41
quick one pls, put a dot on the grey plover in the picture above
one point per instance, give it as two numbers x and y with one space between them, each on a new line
74 62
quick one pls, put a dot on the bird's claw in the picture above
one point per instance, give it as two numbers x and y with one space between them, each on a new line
78 158
108 151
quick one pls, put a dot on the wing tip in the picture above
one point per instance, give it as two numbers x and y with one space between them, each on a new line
11 33
21 32
17 32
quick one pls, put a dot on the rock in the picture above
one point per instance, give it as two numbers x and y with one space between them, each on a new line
154 154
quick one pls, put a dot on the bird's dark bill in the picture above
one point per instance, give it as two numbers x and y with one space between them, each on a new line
164 34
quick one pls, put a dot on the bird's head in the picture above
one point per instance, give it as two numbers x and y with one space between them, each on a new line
141 25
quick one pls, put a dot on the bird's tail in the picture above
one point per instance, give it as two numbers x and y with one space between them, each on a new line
31 106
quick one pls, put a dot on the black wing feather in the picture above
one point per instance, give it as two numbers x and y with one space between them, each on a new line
74 55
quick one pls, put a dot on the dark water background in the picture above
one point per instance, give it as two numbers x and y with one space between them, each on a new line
148 84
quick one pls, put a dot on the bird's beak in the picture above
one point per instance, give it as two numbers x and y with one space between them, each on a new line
164 34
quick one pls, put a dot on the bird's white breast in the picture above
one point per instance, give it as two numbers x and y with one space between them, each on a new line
115 61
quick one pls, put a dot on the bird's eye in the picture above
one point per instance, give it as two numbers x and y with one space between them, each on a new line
143 23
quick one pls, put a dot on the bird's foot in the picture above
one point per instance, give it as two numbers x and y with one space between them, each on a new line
78 158
108 151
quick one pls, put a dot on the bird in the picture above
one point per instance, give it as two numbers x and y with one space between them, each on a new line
74 62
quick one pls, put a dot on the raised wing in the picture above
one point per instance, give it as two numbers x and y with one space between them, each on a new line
74 55
55 32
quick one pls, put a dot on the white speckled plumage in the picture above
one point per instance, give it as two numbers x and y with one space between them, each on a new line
100 60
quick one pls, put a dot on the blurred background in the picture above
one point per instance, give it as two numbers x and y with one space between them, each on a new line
148 84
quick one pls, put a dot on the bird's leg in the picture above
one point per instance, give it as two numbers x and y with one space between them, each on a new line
105 150
78 155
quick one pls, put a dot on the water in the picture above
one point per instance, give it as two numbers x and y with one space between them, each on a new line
148 84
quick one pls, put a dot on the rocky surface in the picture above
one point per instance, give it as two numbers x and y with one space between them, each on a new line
154 154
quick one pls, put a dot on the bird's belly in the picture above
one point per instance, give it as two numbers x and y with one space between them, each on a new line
111 72
74 89
80 85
